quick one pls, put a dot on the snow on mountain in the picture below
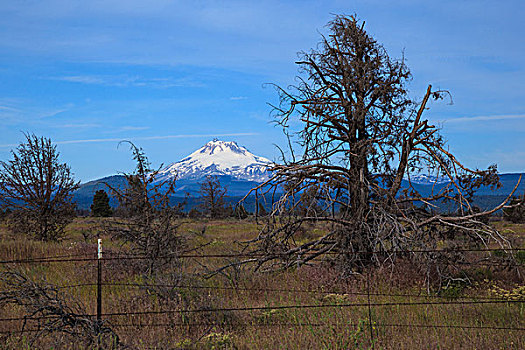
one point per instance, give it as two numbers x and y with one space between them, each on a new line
219 158
424 179
228 158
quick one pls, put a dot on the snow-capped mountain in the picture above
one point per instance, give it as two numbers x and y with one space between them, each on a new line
424 179
219 158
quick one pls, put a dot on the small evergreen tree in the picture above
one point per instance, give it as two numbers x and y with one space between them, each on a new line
100 206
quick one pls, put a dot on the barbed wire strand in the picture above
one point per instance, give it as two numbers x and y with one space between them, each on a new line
297 324
276 307
243 255
276 290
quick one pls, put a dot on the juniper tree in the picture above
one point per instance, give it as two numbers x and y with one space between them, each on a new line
150 225
359 135
37 189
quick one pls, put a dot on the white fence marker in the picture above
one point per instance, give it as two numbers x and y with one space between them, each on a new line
100 248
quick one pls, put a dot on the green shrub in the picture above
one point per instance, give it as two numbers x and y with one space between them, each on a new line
454 289
520 256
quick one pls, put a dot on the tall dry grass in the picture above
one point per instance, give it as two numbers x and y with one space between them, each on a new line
269 327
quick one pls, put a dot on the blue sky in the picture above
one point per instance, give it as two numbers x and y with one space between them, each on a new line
172 75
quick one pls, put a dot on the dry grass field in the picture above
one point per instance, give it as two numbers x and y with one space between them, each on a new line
311 307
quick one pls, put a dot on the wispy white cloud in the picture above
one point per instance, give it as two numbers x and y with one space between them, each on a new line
27 112
484 118
129 81
83 79
79 126
146 138
9 109
9 114
53 113
237 98
134 128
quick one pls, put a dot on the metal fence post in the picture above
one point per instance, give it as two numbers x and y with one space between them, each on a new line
99 290
369 310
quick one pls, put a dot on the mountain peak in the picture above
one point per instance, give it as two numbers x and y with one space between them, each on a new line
219 158
216 146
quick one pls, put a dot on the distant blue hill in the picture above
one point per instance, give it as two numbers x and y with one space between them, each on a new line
485 197
236 189
84 195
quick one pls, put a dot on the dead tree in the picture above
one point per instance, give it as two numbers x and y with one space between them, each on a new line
212 197
50 313
37 189
150 225
360 136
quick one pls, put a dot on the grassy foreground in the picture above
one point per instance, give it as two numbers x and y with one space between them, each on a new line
307 308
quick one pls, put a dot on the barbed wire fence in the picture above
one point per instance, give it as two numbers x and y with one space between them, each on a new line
8 326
